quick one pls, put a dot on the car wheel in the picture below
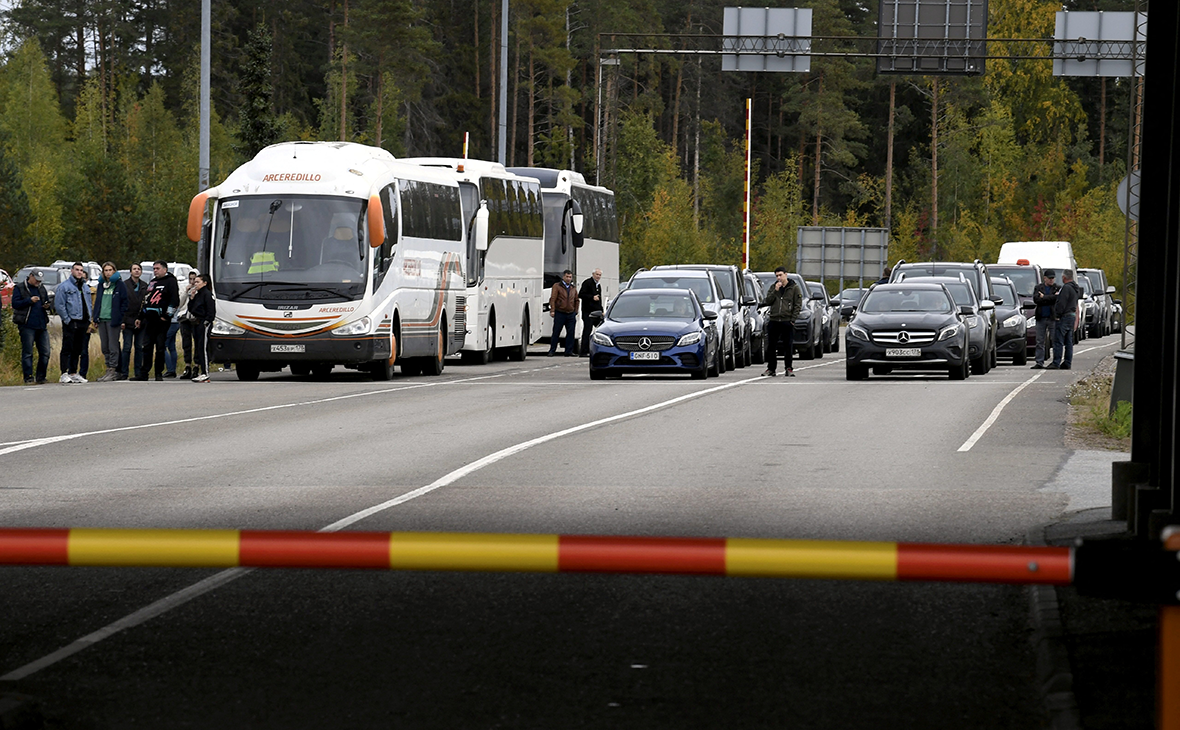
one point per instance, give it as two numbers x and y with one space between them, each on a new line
731 357
600 375
519 352
836 342
856 372
714 368
978 366
757 354
1021 357
959 372
720 361
434 364
808 353
484 356
701 373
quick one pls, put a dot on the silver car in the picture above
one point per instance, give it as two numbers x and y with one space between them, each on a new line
729 278
708 291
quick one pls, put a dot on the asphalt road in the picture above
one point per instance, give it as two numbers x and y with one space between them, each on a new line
809 457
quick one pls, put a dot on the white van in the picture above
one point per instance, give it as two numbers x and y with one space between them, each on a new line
1046 254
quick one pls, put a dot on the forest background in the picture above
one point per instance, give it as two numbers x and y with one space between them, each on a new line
99 123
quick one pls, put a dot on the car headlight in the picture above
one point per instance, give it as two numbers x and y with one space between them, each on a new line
352 329
1032 320
858 333
972 321
690 339
221 327
1013 321
602 339
949 331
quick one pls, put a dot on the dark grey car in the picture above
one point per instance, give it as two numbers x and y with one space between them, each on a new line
981 333
809 324
911 326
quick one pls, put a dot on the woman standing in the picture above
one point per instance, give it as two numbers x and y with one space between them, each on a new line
202 308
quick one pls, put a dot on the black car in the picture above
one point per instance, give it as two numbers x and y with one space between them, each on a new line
655 331
913 326
808 341
1012 314
831 316
849 300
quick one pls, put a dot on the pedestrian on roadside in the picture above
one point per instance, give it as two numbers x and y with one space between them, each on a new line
1065 315
133 334
181 325
202 309
563 308
590 296
110 304
155 315
71 299
785 301
30 314
1045 296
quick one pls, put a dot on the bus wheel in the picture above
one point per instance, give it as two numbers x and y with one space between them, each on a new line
382 369
247 372
484 356
433 364
518 354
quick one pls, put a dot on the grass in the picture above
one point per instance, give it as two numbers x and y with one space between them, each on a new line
1092 397
10 372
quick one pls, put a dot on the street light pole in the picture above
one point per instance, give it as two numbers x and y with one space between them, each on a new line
502 147
203 161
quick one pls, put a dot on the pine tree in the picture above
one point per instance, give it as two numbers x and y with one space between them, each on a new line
16 247
257 126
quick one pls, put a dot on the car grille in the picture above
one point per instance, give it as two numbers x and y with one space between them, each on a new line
631 343
916 337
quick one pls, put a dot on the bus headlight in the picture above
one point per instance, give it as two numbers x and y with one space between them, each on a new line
352 329
601 339
221 327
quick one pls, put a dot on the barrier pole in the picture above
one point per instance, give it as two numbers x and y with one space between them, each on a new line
1168 699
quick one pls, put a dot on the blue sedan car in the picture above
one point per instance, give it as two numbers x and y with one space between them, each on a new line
655 331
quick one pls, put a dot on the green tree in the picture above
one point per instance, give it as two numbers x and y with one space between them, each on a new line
16 216
257 126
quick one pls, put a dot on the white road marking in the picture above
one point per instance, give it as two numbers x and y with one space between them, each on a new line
1096 347
219 579
979 432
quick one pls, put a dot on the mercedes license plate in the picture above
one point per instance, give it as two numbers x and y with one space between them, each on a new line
288 348
903 352
645 356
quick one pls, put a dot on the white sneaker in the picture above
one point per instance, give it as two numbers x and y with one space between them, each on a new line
65 378
78 378
202 378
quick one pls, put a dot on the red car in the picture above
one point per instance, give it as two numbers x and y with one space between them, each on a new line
6 286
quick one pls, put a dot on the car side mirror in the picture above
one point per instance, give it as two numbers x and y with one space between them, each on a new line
710 315
1028 305
749 302
1118 302
966 309
727 303
818 297
1110 290
987 304
595 317
997 300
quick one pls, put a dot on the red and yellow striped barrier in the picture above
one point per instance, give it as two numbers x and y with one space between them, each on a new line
537 553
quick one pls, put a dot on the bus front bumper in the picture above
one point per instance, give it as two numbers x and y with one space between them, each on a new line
275 352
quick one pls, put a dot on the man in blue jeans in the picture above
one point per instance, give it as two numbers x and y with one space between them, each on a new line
30 301
563 307
1065 312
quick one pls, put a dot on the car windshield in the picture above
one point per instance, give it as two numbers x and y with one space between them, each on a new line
1025 279
817 290
1095 284
962 294
1085 284
290 247
698 284
635 305
1006 292
852 295
767 278
883 301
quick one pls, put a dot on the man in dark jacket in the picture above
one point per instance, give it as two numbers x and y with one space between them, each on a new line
1045 296
785 302
590 295
203 310
30 313
1065 315
155 314
134 288
110 304
563 308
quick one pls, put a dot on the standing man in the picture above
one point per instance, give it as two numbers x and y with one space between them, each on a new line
179 320
590 296
1045 296
1065 312
563 308
202 309
72 302
30 313
134 288
110 304
155 315
785 301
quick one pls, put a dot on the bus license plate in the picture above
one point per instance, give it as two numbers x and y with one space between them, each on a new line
645 356
288 348
903 352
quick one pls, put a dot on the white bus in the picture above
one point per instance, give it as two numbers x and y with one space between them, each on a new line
567 193
505 287
333 253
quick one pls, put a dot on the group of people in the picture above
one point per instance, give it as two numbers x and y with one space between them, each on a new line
136 321
1057 316
564 303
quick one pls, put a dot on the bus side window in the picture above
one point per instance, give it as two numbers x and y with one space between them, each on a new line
383 256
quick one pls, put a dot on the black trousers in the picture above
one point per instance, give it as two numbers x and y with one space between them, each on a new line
154 341
74 339
780 332
200 347
587 330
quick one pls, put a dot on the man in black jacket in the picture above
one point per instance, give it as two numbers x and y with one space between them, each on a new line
1065 316
785 301
30 313
591 295
1045 296
155 315
135 288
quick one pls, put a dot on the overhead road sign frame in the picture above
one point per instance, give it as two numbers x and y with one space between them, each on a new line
757 39
932 37
1099 43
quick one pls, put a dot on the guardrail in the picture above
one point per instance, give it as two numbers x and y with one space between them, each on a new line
1132 571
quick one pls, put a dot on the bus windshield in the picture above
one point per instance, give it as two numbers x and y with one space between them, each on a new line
290 247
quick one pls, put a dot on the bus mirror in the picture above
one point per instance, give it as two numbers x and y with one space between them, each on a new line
576 222
481 227
196 215
376 222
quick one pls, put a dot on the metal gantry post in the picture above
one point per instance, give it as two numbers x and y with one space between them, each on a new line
203 155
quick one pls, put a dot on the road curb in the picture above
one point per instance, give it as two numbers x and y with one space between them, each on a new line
1054 675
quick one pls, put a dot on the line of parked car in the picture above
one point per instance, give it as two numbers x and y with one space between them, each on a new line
703 319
